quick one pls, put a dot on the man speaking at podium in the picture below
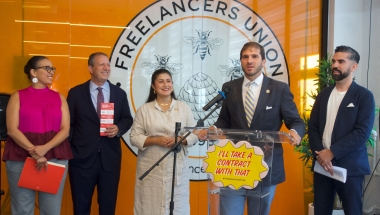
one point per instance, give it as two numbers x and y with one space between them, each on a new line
256 102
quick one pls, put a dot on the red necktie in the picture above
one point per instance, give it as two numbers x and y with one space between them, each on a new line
99 100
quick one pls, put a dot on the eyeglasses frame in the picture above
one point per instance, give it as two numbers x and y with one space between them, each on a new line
47 68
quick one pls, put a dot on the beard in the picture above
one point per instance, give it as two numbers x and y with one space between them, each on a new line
255 72
341 75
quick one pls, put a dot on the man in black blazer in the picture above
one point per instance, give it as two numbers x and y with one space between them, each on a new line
273 104
340 123
97 159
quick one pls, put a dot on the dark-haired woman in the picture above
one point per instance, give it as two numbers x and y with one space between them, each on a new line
38 125
153 134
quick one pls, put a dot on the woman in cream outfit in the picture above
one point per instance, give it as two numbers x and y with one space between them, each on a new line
153 134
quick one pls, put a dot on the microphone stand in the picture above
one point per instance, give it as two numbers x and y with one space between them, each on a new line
175 149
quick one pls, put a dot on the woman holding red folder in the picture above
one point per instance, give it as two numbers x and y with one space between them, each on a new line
38 125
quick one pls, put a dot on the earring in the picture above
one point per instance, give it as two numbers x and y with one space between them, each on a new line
34 80
154 91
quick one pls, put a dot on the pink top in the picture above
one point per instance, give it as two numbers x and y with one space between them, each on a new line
39 120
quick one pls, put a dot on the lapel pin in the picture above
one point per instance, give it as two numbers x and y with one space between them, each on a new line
268 91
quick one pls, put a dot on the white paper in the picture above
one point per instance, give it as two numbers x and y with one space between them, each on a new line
340 173
56 164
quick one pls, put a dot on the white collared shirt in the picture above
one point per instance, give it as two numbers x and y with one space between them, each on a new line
256 87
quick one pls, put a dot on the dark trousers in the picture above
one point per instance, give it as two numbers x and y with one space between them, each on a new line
83 182
350 193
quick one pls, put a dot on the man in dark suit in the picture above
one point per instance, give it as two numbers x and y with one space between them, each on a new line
340 123
97 159
271 104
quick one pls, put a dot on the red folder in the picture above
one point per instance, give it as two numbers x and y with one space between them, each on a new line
45 180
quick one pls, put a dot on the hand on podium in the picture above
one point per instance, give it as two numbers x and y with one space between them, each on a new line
296 139
212 133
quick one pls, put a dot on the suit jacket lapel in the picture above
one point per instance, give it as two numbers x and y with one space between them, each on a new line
347 99
112 93
237 94
323 106
263 97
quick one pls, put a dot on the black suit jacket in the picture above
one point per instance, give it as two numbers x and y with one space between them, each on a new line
84 136
274 106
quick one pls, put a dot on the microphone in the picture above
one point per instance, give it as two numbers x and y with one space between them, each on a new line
177 127
118 84
222 95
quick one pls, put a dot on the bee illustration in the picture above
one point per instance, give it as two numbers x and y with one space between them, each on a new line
162 63
235 71
203 44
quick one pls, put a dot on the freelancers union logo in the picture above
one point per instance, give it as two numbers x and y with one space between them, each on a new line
199 42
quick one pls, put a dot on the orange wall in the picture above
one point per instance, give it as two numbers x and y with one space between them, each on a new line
296 24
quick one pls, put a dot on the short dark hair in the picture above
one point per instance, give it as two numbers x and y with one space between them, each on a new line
255 45
152 96
354 55
93 55
33 64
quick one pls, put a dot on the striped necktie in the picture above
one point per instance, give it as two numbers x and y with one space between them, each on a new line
99 100
249 103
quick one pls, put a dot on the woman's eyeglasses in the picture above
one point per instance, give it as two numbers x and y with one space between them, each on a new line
47 68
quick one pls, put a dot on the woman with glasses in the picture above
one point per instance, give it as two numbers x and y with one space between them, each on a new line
38 125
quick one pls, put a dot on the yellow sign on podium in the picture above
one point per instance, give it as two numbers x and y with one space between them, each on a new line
235 165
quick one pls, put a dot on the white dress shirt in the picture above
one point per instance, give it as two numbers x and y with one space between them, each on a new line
256 87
